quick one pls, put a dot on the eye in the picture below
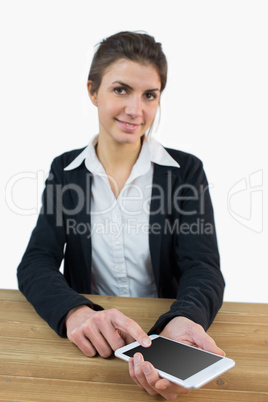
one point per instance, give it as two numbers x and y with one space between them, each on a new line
120 90
150 95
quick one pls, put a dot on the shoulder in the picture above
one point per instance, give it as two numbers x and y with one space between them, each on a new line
185 160
63 160
191 169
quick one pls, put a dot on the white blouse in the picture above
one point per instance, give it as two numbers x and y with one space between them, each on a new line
121 262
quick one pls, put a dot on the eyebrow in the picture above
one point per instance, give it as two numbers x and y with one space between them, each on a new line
128 86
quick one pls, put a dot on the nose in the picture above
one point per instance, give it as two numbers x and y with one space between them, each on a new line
134 106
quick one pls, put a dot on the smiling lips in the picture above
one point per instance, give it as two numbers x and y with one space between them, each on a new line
128 126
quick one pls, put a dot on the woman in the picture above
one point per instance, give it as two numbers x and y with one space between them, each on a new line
130 218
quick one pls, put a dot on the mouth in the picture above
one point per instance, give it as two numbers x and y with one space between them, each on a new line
128 126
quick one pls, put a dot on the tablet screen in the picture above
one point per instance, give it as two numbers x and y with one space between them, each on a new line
174 358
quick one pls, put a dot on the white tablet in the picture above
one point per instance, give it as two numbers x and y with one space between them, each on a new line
184 365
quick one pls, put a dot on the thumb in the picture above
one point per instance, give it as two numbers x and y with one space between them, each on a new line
205 342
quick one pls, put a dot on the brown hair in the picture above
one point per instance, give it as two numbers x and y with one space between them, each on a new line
134 46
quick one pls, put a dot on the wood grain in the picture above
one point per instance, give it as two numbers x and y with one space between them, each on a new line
37 365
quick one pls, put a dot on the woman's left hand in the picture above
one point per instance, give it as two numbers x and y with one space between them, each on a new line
180 329
146 376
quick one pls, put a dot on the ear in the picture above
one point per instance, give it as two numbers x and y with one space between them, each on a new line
93 97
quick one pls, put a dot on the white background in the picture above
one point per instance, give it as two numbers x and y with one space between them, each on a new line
215 106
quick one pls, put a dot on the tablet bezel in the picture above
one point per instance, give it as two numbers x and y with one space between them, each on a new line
195 381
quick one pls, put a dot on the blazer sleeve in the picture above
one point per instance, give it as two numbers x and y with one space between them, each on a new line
39 277
197 261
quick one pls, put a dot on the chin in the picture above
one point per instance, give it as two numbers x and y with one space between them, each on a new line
127 138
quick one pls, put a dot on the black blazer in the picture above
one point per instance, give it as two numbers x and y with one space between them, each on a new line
182 241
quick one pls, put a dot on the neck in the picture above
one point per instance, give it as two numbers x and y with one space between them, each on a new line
114 155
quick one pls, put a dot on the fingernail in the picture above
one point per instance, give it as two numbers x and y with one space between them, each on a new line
146 342
146 368
137 359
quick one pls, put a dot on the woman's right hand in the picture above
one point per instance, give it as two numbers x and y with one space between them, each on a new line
102 331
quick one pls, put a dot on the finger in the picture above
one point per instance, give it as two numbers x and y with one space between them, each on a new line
120 321
126 337
169 386
115 338
132 371
152 378
164 387
112 336
102 346
140 376
82 343
97 340
133 375
87 348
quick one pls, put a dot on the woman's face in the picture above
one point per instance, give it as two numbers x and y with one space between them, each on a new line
127 100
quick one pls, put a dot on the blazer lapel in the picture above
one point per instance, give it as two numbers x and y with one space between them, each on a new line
161 206
81 200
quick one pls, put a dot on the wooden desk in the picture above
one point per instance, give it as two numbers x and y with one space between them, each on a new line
37 365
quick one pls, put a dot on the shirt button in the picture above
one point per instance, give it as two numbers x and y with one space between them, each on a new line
117 243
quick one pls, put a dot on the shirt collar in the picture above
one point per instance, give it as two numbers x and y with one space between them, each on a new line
151 151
